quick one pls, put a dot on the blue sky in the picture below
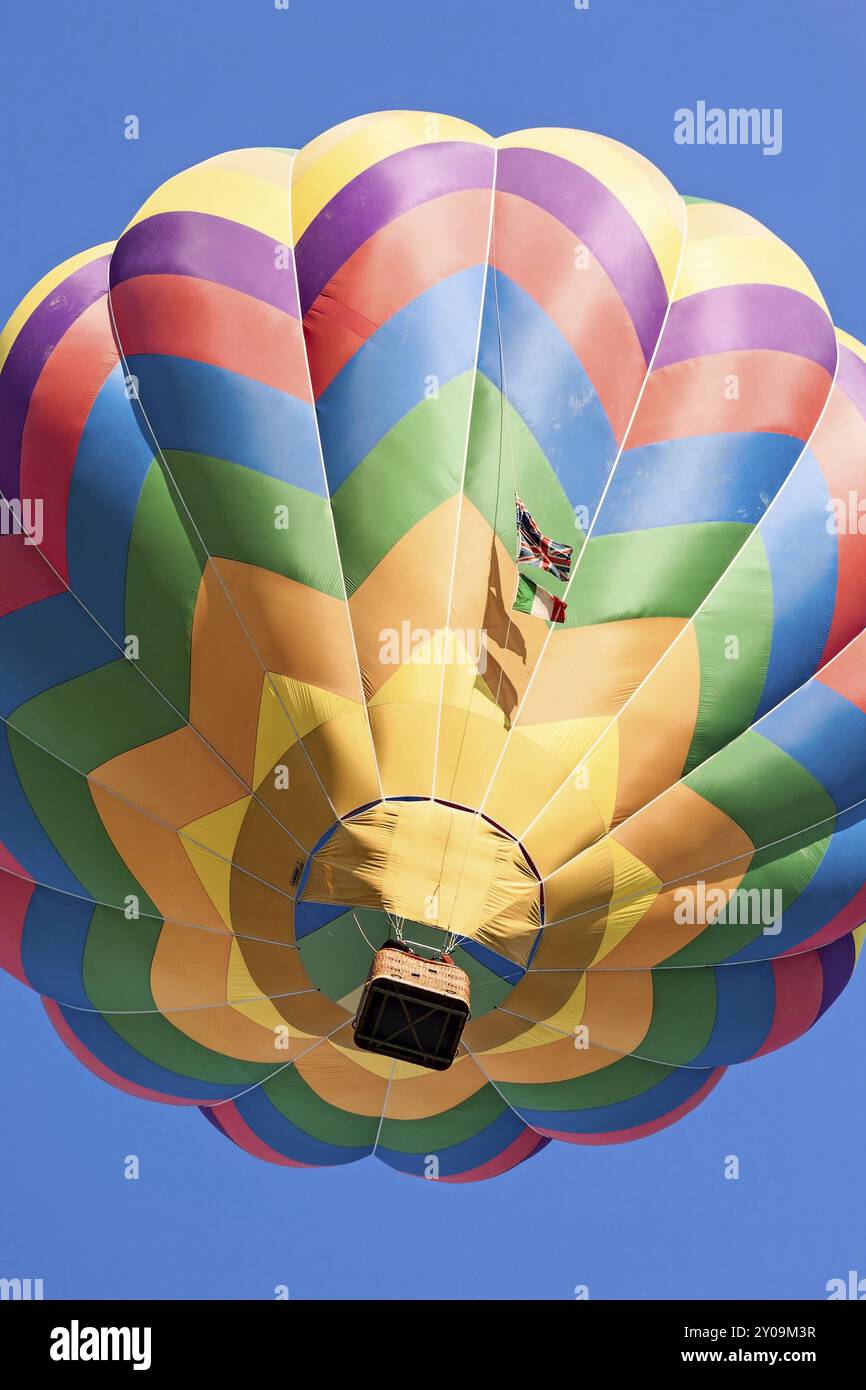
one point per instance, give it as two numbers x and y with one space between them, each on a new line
652 1219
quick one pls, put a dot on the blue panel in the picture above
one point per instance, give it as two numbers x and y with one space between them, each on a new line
309 917
548 387
458 1158
826 734
745 1009
45 644
111 464
435 335
203 409
52 945
838 878
271 1125
493 961
96 1035
22 832
714 477
660 1100
803 558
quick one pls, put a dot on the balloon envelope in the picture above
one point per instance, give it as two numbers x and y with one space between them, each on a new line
265 689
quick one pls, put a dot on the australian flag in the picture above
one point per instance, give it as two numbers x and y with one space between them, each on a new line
534 548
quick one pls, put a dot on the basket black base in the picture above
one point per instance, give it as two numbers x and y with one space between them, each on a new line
410 1024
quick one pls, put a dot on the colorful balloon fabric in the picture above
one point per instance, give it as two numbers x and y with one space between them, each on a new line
263 683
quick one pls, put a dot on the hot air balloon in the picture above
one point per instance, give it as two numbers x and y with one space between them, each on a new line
441 545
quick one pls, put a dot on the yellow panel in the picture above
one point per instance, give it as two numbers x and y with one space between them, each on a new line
645 193
326 165
431 864
342 755
561 1020
308 705
43 290
366 1084
847 341
581 809
185 983
584 885
468 749
718 219
405 738
417 678
274 166
635 888
417 1093
567 739
253 202
744 260
367 1061
330 771
581 889
219 831
241 988
556 1060
618 1009
526 780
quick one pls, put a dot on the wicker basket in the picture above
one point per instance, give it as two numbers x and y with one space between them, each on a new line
413 1009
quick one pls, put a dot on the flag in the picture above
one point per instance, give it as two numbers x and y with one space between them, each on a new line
537 549
537 602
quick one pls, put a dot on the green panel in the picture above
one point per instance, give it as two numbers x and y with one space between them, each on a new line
416 467
734 634
234 508
61 800
299 1103
438 1132
772 797
788 873
504 458
337 958
487 990
86 722
766 791
155 1037
94 717
664 572
163 576
118 958
684 1012
622 1080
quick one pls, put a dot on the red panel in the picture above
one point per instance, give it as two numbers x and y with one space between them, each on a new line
61 401
391 268
799 982
180 316
16 890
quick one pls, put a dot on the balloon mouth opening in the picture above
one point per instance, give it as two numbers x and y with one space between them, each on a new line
450 877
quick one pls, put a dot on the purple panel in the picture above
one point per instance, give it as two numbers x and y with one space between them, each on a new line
208 248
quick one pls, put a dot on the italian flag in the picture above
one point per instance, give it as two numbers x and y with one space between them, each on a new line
537 602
